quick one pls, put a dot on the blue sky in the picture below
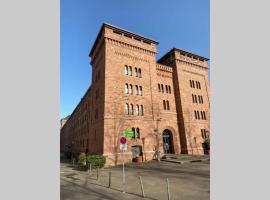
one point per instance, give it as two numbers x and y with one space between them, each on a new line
184 24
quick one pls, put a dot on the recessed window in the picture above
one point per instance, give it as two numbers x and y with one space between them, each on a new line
162 88
136 72
126 109
130 89
164 104
131 109
196 117
159 89
137 109
136 90
126 88
126 70
140 91
168 105
140 73
166 89
141 110
130 71
195 97
169 89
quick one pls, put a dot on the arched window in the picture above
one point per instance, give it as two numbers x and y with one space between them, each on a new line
130 71
164 104
139 73
126 70
130 89
140 91
159 89
126 109
198 115
134 132
141 110
136 72
136 90
167 90
168 105
162 88
137 133
137 109
131 109
126 88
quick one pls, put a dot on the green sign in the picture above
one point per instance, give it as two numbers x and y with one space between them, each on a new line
128 133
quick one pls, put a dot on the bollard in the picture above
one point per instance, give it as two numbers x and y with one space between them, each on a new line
90 168
168 189
142 187
73 161
110 174
97 173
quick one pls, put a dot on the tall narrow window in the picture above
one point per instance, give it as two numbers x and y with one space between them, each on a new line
130 89
202 99
126 109
136 90
141 110
140 91
195 97
139 73
202 115
130 71
168 105
198 115
126 69
166 88
162 88
190 83
202 133
164 104
126 88
169 89
193 84
159 89
134 132
137 109
131 109
137 133
199 85
195 114
199 98
136 72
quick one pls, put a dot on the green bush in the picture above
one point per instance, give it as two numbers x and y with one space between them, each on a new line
96 161
82 159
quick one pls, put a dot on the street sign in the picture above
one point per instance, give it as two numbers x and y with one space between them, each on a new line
128 133
123 140
123 147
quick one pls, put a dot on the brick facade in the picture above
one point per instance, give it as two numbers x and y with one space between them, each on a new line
168 111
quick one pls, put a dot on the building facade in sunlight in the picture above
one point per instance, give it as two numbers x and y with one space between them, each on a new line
165 102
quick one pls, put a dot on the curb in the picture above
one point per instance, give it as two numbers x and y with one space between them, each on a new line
186 161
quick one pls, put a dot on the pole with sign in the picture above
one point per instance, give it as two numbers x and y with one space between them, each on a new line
123 147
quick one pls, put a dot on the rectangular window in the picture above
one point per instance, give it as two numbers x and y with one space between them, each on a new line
195 114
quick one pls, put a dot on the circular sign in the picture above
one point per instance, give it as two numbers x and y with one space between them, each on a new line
123 140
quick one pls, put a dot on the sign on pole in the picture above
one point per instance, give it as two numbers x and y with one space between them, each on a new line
128 133
123 140
123 147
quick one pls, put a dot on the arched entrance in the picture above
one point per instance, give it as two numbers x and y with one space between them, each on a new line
167 141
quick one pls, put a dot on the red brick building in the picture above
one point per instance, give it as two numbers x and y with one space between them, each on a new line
165 101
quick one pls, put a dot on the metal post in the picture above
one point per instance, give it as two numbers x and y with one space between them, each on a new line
97 173
90 168
123 171
110 174
142 187
168 189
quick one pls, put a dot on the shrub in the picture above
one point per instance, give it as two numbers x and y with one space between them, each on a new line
82 159
96 161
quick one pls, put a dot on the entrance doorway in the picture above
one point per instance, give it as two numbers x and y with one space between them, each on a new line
136 152
167 142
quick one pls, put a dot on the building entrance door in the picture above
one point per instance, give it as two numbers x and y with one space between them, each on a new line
167 142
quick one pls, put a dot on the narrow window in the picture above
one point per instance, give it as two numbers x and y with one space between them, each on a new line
131 109
205 136
136 72
130 70
137 133
141 110
164 104
168 105
195 114
202 99
190 83
202 132
195 96
166 88
126 88
193 100
162 88
169 89
140 73
126 69
198 115
193 84
137 109
130 89
159 89
141 90
137 90
134 132
199 84
126 109
202 115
